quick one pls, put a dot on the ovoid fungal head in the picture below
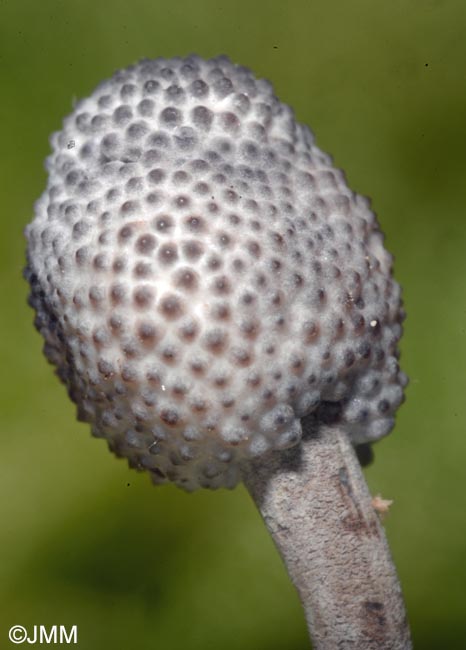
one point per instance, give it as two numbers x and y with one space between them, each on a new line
203 277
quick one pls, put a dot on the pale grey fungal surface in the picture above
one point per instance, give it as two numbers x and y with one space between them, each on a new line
203 277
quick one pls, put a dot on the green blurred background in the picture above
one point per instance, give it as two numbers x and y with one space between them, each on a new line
83 540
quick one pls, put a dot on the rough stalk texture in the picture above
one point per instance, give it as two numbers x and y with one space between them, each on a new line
317 507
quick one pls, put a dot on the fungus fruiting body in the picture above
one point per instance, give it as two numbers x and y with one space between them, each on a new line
204 279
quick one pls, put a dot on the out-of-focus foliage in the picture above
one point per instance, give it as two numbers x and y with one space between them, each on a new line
83 540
